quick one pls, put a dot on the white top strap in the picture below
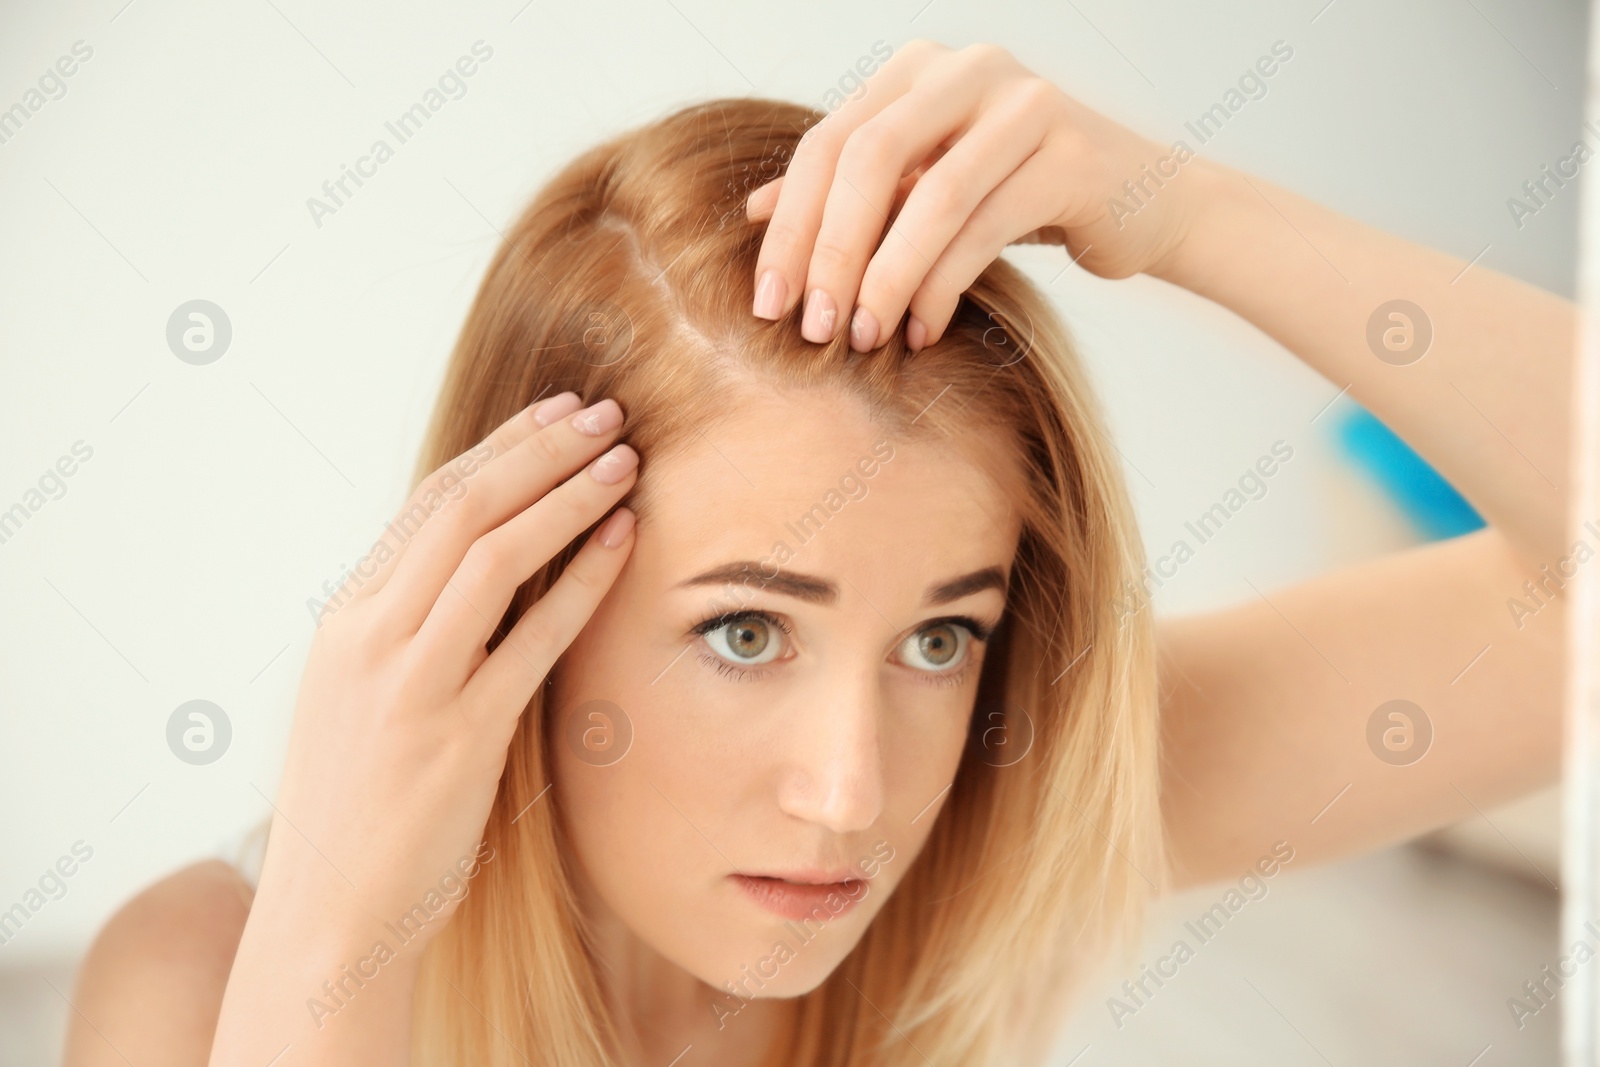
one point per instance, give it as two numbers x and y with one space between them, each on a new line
246 849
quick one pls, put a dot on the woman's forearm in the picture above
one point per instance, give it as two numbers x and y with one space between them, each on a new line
1487 402
307 989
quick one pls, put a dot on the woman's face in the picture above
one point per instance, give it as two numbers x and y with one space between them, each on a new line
813 737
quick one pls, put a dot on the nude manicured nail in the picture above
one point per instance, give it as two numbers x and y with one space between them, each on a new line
863 330
820 317
916 334
614 529
550 410
769 295
598 418
614 466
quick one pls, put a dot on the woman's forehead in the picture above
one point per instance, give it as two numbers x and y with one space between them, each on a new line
833 511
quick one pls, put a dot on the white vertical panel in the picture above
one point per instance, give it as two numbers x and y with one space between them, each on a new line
1580 855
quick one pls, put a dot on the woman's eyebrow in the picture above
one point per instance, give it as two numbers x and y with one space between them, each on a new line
817 590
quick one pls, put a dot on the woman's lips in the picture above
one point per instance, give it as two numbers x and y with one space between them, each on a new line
798 900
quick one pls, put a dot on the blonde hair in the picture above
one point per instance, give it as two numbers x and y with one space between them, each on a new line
630 276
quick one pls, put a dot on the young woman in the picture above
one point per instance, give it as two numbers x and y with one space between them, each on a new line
840 743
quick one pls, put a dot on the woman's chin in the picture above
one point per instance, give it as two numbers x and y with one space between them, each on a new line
781 963
759 976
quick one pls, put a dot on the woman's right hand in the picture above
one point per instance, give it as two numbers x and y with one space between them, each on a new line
403 718
962 151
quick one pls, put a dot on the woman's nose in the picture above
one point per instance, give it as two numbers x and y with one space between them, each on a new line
833 770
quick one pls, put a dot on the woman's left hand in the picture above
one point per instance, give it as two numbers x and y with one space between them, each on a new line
967 151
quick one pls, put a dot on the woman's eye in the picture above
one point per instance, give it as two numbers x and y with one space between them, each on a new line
938 648
748 641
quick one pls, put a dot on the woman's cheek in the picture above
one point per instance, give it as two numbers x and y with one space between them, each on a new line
681 724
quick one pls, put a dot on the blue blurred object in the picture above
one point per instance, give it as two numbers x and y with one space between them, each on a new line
1434 507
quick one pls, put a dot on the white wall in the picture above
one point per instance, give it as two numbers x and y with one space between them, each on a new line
219 498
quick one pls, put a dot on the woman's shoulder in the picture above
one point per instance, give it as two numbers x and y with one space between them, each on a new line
199 905
153 978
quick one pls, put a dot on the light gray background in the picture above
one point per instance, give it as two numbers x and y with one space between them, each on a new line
219 498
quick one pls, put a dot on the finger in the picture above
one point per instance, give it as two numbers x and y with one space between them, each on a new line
1044 235
526 472
909 182
1002 214
871 164
370 575
476 596
759 203
941 204
903 191
508 677
763 208
797 214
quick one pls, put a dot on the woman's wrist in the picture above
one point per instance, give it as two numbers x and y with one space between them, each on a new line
1209 219
299 969
286 914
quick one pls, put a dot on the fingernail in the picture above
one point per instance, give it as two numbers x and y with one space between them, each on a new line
818 321
770 292
863 330
553 408
916 334
598 418
615 528
614 466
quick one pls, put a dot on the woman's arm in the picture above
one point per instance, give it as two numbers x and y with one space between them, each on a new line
1268 708
1486 403
400 733
1267 705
